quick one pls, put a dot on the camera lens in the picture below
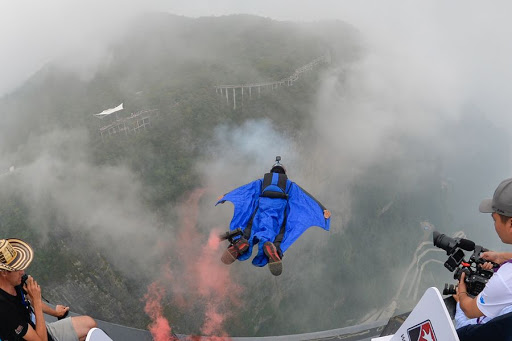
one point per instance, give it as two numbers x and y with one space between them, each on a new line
442 241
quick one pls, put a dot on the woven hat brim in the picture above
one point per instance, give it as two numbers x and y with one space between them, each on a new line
24 256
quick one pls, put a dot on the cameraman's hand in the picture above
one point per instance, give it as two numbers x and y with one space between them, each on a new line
487 266
467 303
492 256
462 285
456 295
497 257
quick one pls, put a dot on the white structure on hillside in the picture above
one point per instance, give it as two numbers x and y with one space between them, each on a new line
133 123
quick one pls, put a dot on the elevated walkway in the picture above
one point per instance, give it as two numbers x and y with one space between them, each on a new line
225 90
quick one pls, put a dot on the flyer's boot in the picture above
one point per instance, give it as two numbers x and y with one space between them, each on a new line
233 251
274 261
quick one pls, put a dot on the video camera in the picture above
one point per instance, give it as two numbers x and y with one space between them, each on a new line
231 234
476 277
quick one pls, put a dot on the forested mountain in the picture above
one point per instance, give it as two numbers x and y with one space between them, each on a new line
106 214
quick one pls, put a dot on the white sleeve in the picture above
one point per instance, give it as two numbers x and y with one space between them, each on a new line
497 294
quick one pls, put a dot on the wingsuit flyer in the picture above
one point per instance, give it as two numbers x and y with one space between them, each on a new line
272 212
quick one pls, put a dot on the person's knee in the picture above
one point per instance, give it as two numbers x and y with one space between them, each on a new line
90 322
83 324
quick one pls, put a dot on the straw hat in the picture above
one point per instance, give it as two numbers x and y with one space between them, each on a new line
15 254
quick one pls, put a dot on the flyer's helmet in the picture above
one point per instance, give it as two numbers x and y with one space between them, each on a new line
278 167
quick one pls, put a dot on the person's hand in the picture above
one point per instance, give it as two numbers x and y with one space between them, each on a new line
33 291
327 214
456 295
486 266
497 257
492 256
61 310
462 285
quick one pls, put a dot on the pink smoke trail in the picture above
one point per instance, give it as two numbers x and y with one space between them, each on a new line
160 329
205 278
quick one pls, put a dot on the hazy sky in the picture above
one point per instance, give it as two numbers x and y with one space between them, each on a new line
473 35
34 32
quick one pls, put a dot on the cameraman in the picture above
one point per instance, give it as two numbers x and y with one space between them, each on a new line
21 317
496 299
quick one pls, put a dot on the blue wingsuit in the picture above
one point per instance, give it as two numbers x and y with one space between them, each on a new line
273 209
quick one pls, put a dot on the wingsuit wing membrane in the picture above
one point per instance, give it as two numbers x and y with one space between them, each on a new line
304 211
245 201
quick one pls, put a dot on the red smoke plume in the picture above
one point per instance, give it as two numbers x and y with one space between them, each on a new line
160 328
202 279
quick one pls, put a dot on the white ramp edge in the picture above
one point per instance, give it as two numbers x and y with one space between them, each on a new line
429 321
96 334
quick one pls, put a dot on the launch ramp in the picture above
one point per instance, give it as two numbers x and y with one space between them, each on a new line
363 332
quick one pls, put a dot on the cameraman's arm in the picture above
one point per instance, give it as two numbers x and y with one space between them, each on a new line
497 257
467 304
460 318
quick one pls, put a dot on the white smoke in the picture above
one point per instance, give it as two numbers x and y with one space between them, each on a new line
60 184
